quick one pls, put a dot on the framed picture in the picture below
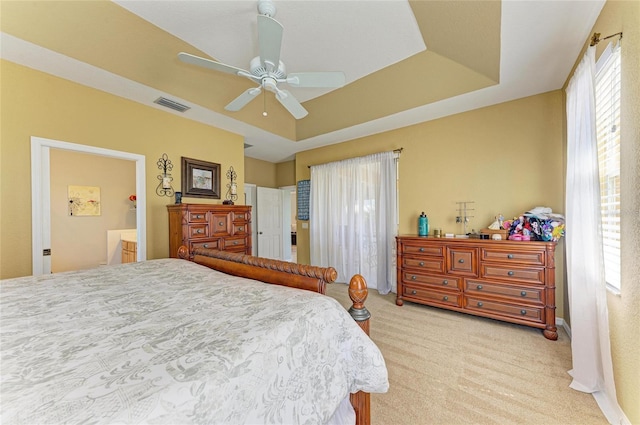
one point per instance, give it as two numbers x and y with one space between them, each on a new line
200 179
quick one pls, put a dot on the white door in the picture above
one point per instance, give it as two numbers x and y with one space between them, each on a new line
269 222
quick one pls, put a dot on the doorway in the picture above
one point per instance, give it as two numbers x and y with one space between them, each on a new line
41 197
271 221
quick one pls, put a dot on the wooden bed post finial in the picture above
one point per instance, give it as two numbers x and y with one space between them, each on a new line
183 252
358 293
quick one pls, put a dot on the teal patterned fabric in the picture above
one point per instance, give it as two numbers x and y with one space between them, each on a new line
169 341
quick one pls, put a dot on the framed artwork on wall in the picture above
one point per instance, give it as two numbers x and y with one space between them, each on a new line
84 200
200 179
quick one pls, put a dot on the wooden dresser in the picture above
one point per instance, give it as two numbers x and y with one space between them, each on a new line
223 227
504 280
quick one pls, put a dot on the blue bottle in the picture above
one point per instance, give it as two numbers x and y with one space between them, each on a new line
423 225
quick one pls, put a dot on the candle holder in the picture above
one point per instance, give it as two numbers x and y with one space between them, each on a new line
164 187
232 187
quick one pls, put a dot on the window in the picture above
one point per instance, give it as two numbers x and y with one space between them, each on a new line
608 137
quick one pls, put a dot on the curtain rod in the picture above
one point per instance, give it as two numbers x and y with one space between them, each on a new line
398 151
596 37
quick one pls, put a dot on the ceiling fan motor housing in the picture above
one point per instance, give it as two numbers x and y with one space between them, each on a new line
259 70
266 7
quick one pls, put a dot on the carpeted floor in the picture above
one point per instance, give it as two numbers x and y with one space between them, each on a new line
451 368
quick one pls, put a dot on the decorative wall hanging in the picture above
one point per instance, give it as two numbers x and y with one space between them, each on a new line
84 200
302 194
232 187
164 187
200 179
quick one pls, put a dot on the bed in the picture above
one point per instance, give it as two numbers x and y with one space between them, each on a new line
219 338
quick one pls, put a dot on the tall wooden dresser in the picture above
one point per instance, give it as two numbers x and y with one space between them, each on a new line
223 227
504 280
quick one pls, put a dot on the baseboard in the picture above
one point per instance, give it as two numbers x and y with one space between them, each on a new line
562 324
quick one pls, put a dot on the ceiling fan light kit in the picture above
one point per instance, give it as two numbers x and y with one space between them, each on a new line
268 70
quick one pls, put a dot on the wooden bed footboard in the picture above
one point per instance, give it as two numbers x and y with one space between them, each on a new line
294 275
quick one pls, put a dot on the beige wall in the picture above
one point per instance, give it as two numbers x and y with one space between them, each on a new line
261 173
624 309
506 158
267 174
80 242
286 173
50 107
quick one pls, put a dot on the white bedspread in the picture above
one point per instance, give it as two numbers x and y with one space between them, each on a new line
169 341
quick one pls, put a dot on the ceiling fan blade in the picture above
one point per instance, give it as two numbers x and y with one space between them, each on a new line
291 104
242 100
208 63
269 41
316 79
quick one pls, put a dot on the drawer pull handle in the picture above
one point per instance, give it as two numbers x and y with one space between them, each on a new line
421 250
445 298
445 282
510 273
199 231
421 263
510 256
240 229
235 242
413 292
523 293
523 312
479 304
205 245
414 277
461 260
221 223
479 287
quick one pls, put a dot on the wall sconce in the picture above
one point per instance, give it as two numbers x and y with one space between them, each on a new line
164 186
232 187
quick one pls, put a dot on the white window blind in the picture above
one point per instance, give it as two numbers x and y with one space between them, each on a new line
608 136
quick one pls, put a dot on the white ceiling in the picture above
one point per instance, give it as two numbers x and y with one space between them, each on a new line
540 41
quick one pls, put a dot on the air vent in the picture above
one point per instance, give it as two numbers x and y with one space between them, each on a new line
247 145
171 104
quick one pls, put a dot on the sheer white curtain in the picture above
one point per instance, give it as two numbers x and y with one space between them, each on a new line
592 368
353 218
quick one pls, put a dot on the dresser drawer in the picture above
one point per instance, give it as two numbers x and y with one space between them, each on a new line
532 314
462 261
424 263
434 251
526 275
197 217
209 244
438 281
219 223
235 244
446 298
239 216
239 228
518 294
198 231
518 257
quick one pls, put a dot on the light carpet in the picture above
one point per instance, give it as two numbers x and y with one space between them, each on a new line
453 368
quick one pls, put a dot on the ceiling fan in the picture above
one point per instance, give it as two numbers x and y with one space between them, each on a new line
268 70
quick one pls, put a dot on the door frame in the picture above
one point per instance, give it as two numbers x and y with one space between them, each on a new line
41 197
